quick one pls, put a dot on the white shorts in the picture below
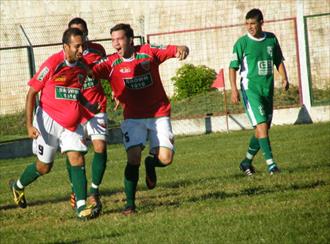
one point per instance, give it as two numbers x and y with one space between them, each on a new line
52 135
158 131
97 127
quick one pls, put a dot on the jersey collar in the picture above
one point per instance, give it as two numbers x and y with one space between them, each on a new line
257 39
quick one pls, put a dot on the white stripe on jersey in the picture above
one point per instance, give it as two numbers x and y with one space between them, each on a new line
244 72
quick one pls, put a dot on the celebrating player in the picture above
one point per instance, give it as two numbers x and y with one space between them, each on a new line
133 72
57 119
255 54
95 124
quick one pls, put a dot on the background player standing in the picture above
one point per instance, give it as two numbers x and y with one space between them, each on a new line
133 72
57 119
255 54
95 125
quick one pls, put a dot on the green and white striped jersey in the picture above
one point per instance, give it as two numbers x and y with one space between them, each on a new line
256 59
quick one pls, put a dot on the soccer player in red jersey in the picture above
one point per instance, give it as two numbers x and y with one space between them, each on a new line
95 125
56 122
133 72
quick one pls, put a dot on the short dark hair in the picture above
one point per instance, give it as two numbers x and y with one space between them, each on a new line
255 14
78 21
125 27
71 32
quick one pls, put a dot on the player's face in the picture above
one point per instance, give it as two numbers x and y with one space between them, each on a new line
122 43
254 27
74 50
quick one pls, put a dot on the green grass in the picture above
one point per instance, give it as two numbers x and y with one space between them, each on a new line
201 198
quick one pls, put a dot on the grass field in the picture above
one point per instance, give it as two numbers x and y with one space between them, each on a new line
201 198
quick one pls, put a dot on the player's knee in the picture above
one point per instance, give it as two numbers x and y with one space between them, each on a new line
165 159
99 146
43 168
76 158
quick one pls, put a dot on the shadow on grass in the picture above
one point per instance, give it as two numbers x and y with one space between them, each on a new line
148 207
221 195
91 238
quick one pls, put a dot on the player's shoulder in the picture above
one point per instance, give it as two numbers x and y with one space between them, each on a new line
55 59
270 35
112 59
242 40
96 48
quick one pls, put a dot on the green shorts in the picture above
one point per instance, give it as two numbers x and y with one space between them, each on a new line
258 108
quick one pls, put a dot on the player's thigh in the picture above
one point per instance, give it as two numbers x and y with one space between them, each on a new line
134 133
73 140
161 138
254 107
268 108
134 155
97 127
46 144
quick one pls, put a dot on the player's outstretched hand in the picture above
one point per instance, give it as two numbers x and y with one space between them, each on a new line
182 52
235 96
33 132
285 85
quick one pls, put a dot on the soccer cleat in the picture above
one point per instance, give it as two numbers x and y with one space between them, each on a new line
73 200
273 169
19 196
248 169
151 177
86 213
129 210
95 202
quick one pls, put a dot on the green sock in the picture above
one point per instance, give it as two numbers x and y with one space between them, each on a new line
68 168
79 182
252 150
130 182
29 175
99 164
266 150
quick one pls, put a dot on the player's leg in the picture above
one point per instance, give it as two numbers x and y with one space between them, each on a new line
250 101
263 135
72 144
97 131
161 148
246 164
134 138
45 148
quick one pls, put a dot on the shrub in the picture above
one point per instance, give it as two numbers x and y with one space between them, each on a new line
191 80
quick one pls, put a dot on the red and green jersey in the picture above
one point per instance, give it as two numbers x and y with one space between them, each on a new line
256 59
60 83
92 89
136 82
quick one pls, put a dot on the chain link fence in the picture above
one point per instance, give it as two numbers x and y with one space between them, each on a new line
208 28
318 59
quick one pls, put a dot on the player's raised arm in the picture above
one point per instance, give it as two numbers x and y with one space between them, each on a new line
182 52
29 107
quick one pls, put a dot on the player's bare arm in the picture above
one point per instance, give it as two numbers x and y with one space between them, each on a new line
285 83
182 52
234 92
29 107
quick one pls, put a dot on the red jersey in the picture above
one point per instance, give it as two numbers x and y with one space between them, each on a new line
60 83
136 82
92 89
